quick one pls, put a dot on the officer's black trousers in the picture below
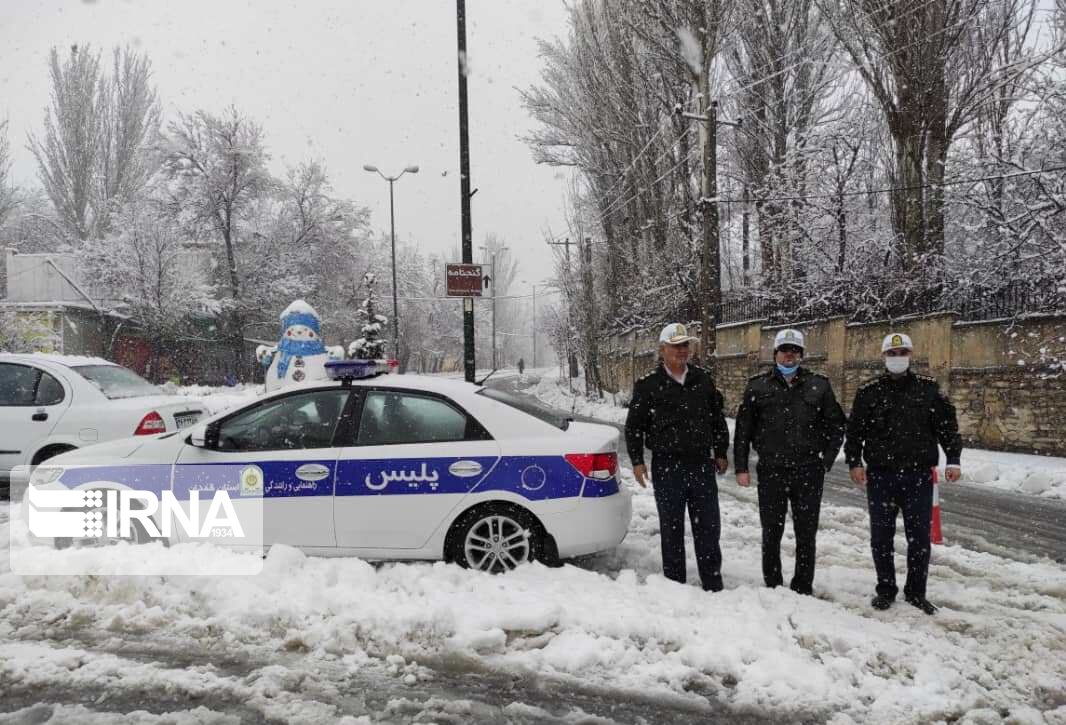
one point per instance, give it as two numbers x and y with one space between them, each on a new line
779 488
888 492
681 483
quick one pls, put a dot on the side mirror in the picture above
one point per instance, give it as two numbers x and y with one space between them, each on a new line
205 435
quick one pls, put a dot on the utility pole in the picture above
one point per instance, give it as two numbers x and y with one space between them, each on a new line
464 190
592 367
534 325
492 266
571 362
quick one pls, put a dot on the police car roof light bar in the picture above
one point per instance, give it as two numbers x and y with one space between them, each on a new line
348 370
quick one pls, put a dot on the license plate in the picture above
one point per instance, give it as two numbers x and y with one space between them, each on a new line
184 420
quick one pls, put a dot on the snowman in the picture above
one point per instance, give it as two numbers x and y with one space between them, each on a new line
300 353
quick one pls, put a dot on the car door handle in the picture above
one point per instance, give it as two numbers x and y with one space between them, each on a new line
39 416
312 472
465 469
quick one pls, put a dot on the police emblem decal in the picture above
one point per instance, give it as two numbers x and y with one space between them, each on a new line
897 341
252 481
298 375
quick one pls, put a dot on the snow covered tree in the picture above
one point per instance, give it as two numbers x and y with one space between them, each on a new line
218 168
160 281
95 148
8 192
27 332
371 346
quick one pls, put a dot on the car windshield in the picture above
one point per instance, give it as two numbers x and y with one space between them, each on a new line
116 382
538 411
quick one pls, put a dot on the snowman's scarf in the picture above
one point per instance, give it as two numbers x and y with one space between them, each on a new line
289 348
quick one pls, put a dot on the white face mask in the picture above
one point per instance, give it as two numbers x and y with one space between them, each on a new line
898 364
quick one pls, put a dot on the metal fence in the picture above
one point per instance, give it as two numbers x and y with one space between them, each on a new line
1011 300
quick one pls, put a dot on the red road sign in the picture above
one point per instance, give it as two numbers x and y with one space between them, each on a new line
463 280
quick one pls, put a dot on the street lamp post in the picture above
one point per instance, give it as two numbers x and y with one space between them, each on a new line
533 336
492 276
413 169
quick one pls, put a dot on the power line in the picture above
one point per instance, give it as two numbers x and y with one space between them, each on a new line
892 189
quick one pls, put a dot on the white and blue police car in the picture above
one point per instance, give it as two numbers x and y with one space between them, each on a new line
387 467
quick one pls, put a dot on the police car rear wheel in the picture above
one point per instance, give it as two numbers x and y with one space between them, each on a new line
497 540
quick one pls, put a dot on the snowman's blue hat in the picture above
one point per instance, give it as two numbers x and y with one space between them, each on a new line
301 318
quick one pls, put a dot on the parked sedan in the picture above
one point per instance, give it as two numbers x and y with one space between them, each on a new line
51 404
384 467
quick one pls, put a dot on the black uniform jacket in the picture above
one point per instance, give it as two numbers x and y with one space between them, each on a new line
684 421
801 425
897 423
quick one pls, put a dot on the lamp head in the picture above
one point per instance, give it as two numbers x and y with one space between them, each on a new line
412 169
370 167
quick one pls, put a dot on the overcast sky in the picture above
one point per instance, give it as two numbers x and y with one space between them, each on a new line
348 82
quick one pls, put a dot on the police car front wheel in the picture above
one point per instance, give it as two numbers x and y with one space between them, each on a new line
496 539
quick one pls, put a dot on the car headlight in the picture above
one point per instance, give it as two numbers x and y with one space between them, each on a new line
45 474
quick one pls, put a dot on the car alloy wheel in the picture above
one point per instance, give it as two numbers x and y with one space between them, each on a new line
137 536
497 543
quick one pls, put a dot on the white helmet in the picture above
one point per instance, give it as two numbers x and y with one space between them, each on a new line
789 337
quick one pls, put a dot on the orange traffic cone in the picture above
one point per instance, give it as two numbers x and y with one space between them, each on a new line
935 534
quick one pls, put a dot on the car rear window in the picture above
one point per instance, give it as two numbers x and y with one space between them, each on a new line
116 382
538 411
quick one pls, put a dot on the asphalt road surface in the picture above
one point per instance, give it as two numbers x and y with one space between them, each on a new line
1013 525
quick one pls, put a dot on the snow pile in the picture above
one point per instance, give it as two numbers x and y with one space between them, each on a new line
1038 475
555 392
305 626
217 399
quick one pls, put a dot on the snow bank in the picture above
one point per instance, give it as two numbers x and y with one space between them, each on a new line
1027 474
996 650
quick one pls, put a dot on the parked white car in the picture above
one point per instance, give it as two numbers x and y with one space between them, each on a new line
383 467
51 404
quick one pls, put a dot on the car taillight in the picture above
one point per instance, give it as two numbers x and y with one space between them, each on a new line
594 465
150 425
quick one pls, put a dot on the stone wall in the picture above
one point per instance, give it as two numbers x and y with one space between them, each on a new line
1001 375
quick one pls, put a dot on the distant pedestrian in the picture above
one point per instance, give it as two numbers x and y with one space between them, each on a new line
793 420
521 366
676 412
896 423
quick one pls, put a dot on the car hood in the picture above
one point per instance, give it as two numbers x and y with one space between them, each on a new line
101 452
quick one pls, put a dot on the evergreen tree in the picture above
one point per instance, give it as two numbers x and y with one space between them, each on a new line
371 346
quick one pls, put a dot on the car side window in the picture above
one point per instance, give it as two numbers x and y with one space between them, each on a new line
49 391
17 384
304 420
391 418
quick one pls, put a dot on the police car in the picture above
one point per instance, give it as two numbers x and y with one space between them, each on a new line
387 467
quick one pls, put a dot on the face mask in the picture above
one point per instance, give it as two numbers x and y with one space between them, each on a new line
897 365
786 371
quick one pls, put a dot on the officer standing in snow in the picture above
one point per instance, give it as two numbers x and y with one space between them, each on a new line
792 419
896 423
676 411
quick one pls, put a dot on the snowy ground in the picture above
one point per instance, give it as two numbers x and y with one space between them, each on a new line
301 640
1026 474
